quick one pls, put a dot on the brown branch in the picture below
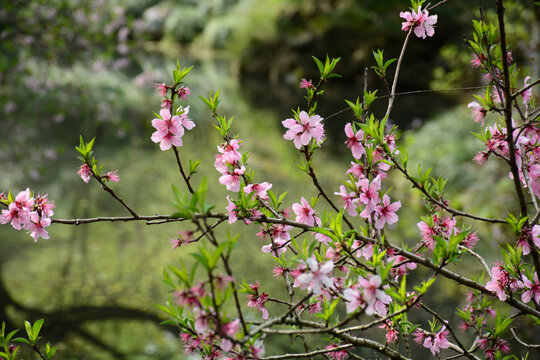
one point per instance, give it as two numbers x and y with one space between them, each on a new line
396 75
112 193
510 129
181 169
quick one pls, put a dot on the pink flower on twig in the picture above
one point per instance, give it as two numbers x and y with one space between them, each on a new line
421 20
302 131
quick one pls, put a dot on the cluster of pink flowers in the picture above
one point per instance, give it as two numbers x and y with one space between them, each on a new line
492 345
279 238
206 337
85 172
28 213
444 227
367 294
501 281
163 89
422 22
257 300
229 164
336 354
433 342
367 193
303 129
363 191
170 129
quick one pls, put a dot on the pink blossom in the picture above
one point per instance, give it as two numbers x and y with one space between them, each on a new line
278 271
257 301
305 213
478 112
497 95
302 131
44 205
232 209
338 354
229 156
533 289
419 336
166 104
85 173
185 120
161 88
353 298
357 170
536 235
373 295
386 213
19 211
428 234
323 239
470 240
527 94
498 282
169 130
317 277
391 333
231 328
403 268
438 341
534 175
36 226
354 141
369 194
231 179
183 92
349 199
476 60
260 189
111 176
17 215
184 237
481 157
421 20
305 84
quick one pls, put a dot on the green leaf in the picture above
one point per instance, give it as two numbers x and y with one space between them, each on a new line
37 328
28 327
319 65
22 340
326 232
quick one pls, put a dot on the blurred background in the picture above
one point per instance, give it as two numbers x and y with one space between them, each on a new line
70 67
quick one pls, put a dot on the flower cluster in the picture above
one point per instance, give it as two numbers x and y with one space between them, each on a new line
257 300
211 334
171 129
29 213
434 342
444 227
365 192
229 164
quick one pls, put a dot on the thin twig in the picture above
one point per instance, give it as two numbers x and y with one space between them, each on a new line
307 354
396 74
530 346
